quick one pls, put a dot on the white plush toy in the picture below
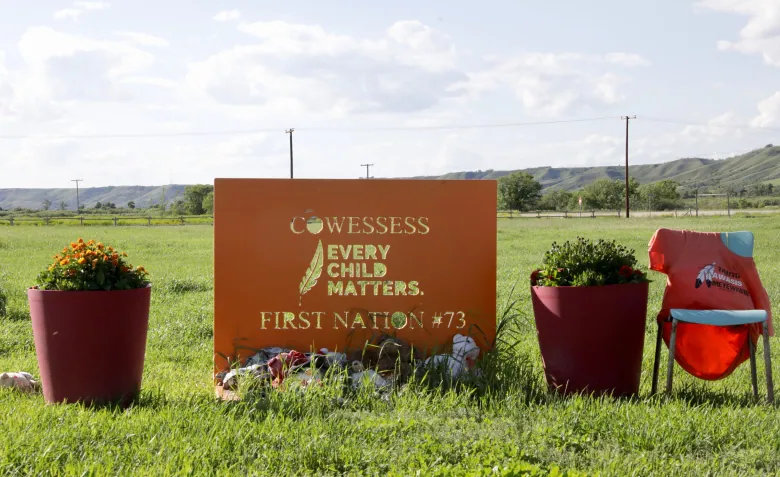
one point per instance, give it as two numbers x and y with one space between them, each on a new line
464 355
21 380
361 377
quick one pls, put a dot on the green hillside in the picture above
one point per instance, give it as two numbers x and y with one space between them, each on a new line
757 166
573 178
143 196
760 165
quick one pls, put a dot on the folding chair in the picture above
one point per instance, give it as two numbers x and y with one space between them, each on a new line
740 243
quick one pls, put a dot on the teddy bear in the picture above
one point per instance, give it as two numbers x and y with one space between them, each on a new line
389 356
362 377
21 380
463 357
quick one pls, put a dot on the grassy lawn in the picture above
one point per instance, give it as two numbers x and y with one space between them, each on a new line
706 428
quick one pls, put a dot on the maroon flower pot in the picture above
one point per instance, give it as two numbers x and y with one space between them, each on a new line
90 344
591 338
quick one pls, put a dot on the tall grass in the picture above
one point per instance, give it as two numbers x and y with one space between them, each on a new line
502 417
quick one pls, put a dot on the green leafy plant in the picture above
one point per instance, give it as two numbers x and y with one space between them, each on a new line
91 266
582 263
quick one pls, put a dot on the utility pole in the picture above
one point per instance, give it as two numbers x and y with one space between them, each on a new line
627 204
290 131
366 166
77 193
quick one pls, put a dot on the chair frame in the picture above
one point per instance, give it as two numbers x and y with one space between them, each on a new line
670 364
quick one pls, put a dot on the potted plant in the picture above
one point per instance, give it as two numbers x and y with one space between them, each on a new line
590 306
90 313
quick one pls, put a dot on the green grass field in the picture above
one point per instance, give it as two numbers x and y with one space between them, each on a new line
515 426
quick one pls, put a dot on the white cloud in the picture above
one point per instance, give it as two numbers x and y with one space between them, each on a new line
143 39
6 90
552 84
151 81
411 68
63 67
716 127
299 67
227 16
761 34
79 8
769 110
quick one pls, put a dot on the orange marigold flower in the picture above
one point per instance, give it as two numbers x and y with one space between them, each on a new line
73 245
94 263
115 256
81 240
125 269
82 261
91 242
63 262
110 249
124 254
115 262
100 246
51 268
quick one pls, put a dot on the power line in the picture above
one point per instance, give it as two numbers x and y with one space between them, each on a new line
234 132
332 129
694 123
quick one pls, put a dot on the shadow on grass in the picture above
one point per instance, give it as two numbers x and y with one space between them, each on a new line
15 314
179 286
696 395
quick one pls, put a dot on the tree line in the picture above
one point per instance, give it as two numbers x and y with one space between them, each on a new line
198 199
519 191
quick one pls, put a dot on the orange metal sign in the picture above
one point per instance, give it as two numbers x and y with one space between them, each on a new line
309 264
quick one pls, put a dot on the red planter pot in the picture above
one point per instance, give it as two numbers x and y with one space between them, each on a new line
592 338
90 344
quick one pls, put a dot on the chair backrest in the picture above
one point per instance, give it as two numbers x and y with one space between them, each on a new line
740 243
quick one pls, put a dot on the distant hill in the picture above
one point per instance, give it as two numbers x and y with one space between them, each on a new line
758 166
143 196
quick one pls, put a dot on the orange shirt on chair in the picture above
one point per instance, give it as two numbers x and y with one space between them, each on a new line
703 274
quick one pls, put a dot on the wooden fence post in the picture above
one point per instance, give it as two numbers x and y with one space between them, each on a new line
149 221
114 221
11 220
81 219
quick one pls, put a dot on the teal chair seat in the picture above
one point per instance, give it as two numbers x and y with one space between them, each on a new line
740 243
719 317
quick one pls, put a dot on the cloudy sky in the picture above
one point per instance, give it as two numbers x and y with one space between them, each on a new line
139 92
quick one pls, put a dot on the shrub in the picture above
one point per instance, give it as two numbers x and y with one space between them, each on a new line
585 263
91 266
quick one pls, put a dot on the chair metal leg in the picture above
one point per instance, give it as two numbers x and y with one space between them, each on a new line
753 373
670 365
770 387
657 360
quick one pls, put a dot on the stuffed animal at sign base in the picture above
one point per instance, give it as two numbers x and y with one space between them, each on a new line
21 380
463 358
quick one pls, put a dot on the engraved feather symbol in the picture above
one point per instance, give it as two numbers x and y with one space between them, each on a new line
312 273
